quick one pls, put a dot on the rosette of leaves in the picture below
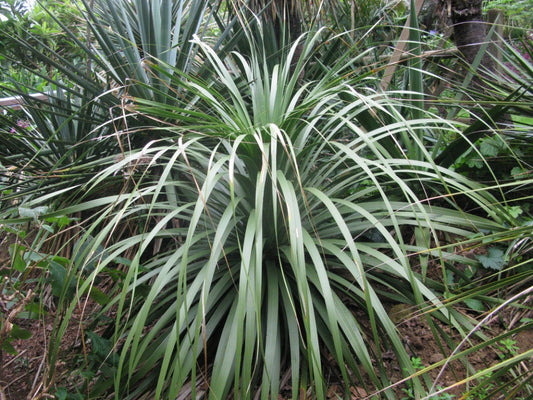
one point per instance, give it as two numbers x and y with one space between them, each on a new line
274 219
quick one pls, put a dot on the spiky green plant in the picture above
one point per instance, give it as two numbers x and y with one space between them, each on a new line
499 153
279 218
258 219
68 133
507 292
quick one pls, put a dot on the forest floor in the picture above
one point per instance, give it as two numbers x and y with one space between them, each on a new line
24 375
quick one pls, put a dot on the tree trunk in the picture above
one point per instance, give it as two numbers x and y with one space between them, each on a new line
469 30
469 36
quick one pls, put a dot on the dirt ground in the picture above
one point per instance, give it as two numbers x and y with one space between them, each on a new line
22 376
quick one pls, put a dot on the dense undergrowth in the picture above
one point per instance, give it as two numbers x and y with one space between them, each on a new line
243 211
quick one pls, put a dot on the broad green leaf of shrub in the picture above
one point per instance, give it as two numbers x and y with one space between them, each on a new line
32 310
474 163
19 333
61 221
99 296
518 172
17 256
100 347
494 259
490 147
63 394
33 213
8 347
59 277
514 211
87 256
474 304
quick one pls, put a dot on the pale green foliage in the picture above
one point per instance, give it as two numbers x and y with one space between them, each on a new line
518 13
283 208
251 215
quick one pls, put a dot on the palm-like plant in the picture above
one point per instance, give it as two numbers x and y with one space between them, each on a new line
279 215
68 131
265 213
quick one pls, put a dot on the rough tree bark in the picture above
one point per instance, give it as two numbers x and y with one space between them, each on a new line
469 30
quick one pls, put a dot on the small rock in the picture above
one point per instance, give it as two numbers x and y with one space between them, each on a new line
435 358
